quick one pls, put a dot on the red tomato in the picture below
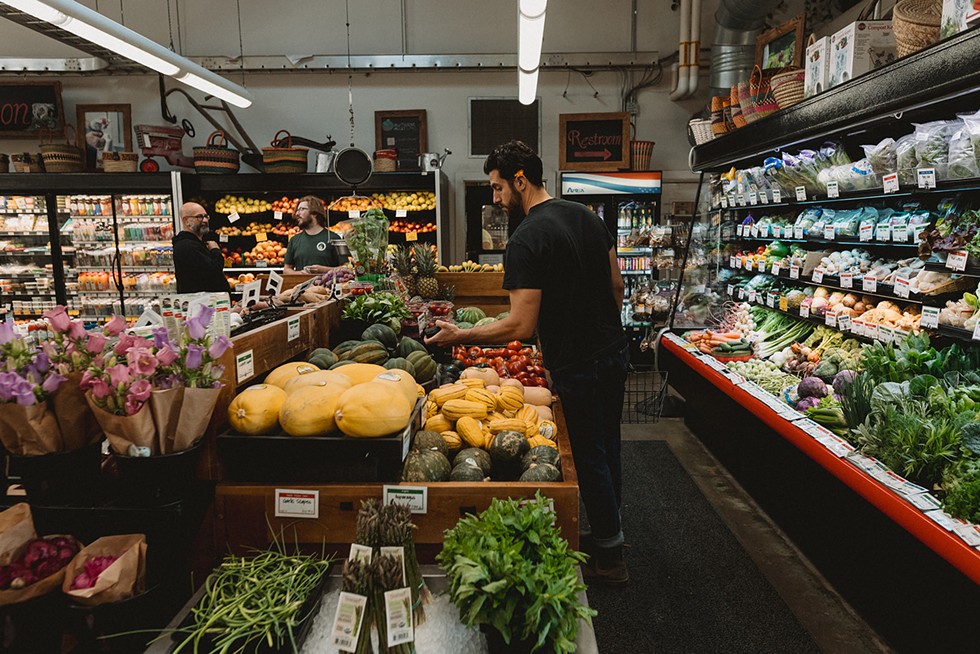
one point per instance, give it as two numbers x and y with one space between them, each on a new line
502 372
526 351
514 346
479 360
535 369
517 367
497 361
475 352
539 381
524 378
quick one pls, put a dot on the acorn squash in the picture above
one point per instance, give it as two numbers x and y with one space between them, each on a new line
256 409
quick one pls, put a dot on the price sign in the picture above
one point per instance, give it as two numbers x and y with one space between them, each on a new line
222 238
900 234
411 236
817 275
277 215
292 329
763 197
752 295
724 202
833 190
777 195
233 217
354 213
867 233
799 233
739 228
753 198
828 232
738 260
957 260
741 199
869 284
871 330
844 322
731 199
764 231
771 300
889 183
731 262
930 318
244 365
292 503
731 290
776 268
401 213
274 285
261 236
794 271
830 319
755 230
902 286
926 177
801 194
883 233
847 280
741 293
804 311
886 334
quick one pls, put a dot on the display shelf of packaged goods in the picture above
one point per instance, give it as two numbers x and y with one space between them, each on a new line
968 271
884 291
834 455
941 77
128 292
25 296
166 242
147 269
820 241
26 234
253 269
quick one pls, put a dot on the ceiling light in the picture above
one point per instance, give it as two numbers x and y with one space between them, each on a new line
530 36
209 86
527 86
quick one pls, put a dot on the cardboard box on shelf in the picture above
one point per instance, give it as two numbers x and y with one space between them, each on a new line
859 48
817 67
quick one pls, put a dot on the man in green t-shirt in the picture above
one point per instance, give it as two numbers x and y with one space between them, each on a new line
310 251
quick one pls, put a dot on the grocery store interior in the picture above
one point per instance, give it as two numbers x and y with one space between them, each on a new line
255 463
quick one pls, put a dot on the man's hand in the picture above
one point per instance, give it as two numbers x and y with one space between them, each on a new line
212 245
448 334
316 270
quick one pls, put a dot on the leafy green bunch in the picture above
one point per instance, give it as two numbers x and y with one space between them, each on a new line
378 307
509 568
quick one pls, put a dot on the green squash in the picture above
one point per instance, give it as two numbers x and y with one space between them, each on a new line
408 345
541 472
467 472
343 362
369 352
541 454
426 465
507 449
322 358
342 349
479 457
485 321
383 334
401 364
431 440
425 366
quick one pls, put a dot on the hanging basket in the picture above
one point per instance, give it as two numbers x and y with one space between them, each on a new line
282 157
915 24
787 87
216 157
119 162
27 163
62 157
762 99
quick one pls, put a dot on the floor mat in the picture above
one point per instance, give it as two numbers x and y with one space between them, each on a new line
692 586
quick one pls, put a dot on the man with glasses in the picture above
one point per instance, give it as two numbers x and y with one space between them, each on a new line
198 263
310 251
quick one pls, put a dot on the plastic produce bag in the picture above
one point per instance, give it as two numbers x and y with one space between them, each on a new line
907 159
962 153
932 146
368 241
972 124
883 158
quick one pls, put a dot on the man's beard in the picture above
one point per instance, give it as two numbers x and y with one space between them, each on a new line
201 230
515 210
305 222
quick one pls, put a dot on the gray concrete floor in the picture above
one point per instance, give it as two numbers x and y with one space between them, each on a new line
831 621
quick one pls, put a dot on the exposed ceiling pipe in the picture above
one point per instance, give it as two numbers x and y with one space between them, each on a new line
733 51
694 47
683 79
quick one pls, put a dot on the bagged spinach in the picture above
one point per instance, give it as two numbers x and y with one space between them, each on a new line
972 125
932 145
906 159
962 153
883 157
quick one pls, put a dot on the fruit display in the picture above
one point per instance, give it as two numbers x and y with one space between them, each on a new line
246 230
353 203
285 205
285 229
237 204
514 361
405 226
408 201
472 266
271 252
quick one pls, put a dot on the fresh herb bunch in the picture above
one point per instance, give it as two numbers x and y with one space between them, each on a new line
378 307
509 568
856 399
962 485
387 571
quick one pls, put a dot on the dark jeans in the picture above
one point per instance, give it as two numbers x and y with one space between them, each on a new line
592 401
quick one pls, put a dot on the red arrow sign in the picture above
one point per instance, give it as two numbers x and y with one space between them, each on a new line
604 155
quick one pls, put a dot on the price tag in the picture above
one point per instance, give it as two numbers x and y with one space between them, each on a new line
871 330
763 197
976 331
753 198
731 199
361 553
416 497
292 503
817 275
776 268
233 217
777 195
886 334
261 236
764 231
738 260
244 365
926 177
739 229
942 519
799 233
969 533
292 329
731 262
957 260
741 199
844 322
900 234
902 286
847 280
869 284
755 230
794 271
398 616
830 319
923 501
724 202
731 290
752 295
930 318
274 285
411 236
890 183
829 232
348 621
354 213
804 311
741 293
814 429
401 213
277 215
801 194
867 233
883 233
833 190
771 300
222 238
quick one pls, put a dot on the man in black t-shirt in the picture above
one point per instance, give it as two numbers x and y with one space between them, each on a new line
561 272
198 263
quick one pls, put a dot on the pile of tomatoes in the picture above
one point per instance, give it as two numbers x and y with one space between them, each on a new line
515 361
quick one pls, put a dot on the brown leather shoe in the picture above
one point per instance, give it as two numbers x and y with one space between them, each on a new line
606 568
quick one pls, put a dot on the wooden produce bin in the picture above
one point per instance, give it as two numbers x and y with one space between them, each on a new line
483 290
244 512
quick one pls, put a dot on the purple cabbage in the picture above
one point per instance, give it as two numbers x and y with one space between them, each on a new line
843 381
807 403
811 387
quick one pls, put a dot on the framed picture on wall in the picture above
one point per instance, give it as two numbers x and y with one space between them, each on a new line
30 109
782 46
404 131
103 128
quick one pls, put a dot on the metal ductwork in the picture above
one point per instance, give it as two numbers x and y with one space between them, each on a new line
733 51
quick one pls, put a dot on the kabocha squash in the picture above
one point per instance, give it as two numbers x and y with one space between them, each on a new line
425 366
507 449
541 472
256 409
383 334
474 456
344 348
425 465
541 454
331 377
482 396
309 411
279 376
467 472
322 358
408 345
430 440
470 431
401 364
359 373
456 409
451 392
371 410
453 442
402 380
369 352
439 423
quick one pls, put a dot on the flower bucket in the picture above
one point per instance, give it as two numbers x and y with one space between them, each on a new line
61 477
157 480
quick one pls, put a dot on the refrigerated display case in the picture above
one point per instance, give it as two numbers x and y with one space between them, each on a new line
27 257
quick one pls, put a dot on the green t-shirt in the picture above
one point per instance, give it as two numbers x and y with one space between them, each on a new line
305 250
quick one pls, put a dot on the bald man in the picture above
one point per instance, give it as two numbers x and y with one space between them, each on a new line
198 264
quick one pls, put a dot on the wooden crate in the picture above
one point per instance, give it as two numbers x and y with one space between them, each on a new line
483 290
242 510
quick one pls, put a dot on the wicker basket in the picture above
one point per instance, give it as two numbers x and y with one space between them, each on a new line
916 24
120 162
217 157
761 87
279 159
27 163
737 118
385 161
701 130
745 101
787 87
718 126
62 157
726 107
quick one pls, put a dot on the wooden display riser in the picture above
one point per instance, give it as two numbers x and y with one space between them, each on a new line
483 290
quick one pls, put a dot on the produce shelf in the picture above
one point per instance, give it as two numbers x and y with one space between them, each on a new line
884 291
970 271
884 244
150 269
956 334
918 523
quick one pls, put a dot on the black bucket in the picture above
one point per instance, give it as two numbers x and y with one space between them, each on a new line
118 627
157 480
35 625
496 644
61 477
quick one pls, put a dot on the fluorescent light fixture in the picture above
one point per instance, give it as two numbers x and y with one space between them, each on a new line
527 86
532 8
530 35
93 26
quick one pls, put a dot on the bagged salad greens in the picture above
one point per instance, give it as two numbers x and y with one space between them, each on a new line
847 222
882 157
368 240
962 153
932 146
807 219
907 159
972 124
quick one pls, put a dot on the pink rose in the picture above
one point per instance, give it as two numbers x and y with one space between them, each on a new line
115 326
166 355
142 361
57 318
76 330
100 390
140 391
118 374
96 343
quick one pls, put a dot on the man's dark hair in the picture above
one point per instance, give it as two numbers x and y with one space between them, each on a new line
513 156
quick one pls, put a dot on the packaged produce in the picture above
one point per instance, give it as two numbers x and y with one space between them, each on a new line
907 159
882 157
932 146
962 152
368 240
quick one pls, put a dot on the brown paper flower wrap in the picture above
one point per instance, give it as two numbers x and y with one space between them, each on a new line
29 430
123 431
123 579
195 416
78 425
16 531
165 406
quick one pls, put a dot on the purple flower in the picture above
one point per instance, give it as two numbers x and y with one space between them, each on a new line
197 327
118 374
53 381
115 326
96 343
100 390
58 318
7 331
195 354
7 386
142 361
23 391
42 362
166 355
161 337
76 330
140 390
219 347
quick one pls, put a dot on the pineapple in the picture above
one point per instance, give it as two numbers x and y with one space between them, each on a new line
425 263
403 266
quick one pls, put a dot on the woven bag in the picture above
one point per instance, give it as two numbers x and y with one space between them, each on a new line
745 100
279 159
737 116
62 157
787 87
762 98
119 162
726 105
915 24
217 157
27 163
717 116
701 130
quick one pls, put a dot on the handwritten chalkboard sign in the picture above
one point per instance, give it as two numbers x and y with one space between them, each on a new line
404 131
26 108
594 142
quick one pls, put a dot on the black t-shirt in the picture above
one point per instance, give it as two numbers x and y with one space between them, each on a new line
563 248
197 267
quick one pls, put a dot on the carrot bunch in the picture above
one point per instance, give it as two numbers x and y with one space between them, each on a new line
708 340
